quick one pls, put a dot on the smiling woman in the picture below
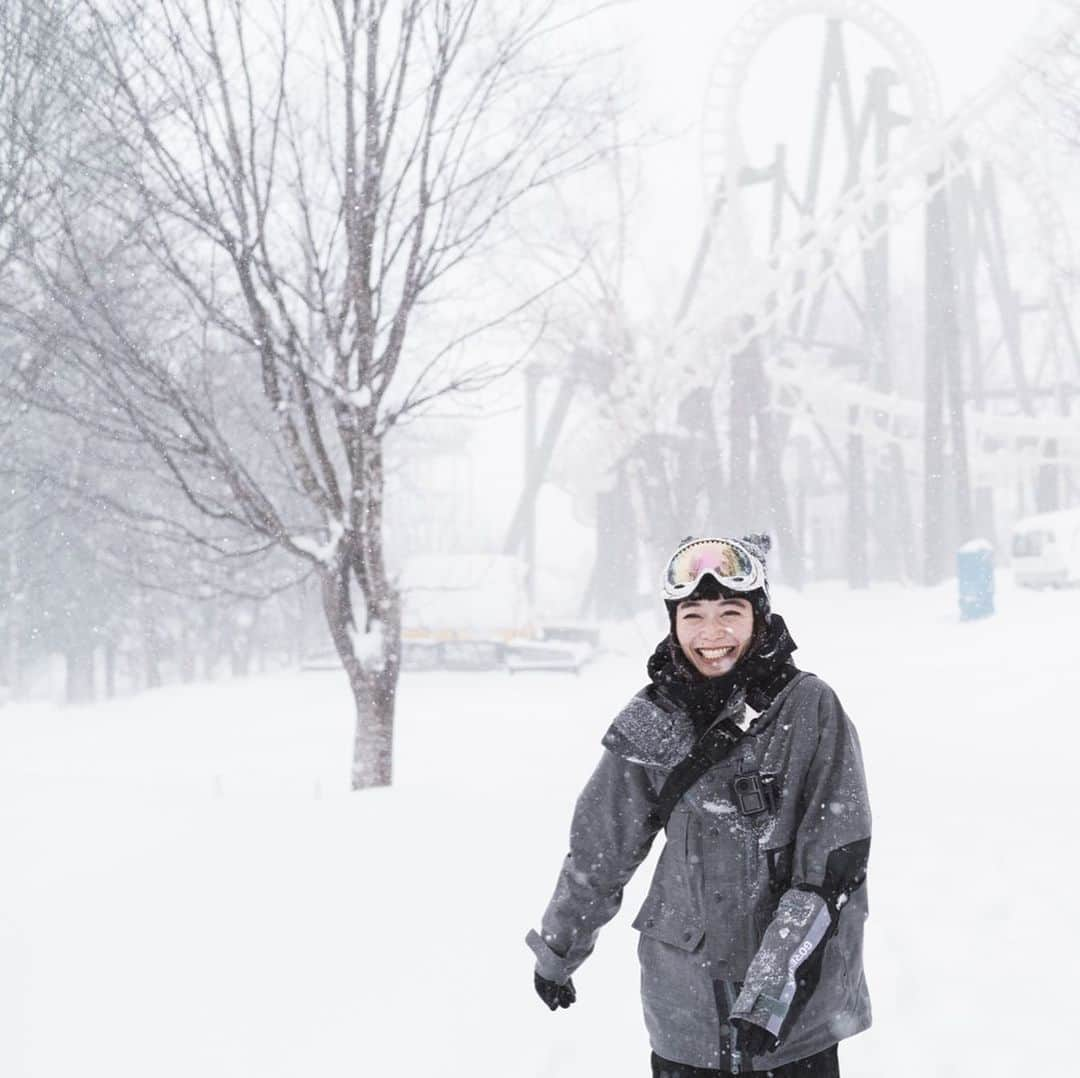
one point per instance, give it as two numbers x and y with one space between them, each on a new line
714 633
751 934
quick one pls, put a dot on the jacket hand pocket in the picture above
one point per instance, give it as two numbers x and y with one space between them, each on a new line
660 921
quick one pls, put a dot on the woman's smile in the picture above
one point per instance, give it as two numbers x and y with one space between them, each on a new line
714 634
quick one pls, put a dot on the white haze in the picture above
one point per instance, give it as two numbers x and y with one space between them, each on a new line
189 891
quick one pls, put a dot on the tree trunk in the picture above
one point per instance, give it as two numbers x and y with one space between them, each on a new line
14 652
79 674
186 656
149 640
110 669
1047 481
371 656
373 739
372 669
210 642
239 656
615 569
858 554
242 638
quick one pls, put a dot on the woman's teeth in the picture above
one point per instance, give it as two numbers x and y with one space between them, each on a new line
714 653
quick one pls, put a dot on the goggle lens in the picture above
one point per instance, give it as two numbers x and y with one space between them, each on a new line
728 563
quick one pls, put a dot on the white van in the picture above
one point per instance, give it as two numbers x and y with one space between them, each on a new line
1046 550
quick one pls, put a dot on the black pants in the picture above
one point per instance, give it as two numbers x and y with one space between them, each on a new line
822 1065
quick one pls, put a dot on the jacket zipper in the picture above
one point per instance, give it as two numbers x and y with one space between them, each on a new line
735 1056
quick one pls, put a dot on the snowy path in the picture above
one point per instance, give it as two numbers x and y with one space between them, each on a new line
188 891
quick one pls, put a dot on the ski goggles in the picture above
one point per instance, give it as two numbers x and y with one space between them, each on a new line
727 561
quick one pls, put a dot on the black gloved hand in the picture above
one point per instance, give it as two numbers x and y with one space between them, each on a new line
554 995
752 1039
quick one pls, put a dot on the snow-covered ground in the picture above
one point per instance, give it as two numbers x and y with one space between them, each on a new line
187 890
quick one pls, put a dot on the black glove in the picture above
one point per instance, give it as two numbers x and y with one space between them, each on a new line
554 995
752 1039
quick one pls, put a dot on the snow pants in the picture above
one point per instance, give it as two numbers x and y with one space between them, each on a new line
820 1065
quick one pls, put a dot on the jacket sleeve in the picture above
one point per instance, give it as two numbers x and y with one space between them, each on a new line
832 845
610 836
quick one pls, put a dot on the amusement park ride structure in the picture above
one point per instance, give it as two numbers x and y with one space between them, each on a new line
894 292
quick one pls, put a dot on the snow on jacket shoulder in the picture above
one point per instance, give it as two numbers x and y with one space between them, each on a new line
770 906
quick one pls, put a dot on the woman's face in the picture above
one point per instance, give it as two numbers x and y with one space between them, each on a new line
714 633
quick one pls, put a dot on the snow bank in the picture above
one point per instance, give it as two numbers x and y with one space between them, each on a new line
188 890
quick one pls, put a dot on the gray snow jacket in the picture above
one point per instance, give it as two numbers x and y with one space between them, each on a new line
753 916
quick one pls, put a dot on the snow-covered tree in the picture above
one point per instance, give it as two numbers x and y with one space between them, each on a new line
296 245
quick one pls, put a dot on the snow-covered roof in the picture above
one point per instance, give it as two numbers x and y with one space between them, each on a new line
1061 518
480 592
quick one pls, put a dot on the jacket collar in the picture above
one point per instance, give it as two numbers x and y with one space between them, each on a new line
652 730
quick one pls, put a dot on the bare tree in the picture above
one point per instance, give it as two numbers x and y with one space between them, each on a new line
326 196
34 78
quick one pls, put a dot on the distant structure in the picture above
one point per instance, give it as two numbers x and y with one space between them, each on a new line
895 366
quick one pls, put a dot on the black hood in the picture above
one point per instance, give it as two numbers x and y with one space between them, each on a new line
761 672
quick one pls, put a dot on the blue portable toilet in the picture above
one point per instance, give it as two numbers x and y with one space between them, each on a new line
975 579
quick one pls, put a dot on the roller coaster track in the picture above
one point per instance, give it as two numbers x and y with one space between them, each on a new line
768 288
724 158
933 158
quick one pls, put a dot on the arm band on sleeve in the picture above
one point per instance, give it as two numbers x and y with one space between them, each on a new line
787 966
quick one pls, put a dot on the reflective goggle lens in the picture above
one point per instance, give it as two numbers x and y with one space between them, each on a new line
728 563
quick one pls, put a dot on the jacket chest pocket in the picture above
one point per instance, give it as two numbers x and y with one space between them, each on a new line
710 798
736 801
